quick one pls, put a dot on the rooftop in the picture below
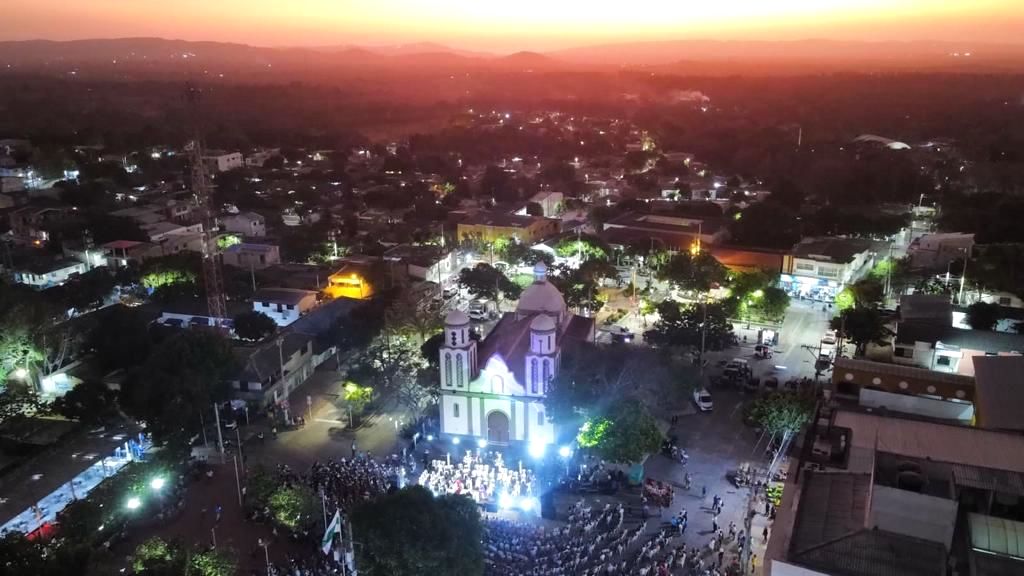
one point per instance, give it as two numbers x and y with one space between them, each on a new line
981 340
45 266
248 247
291 296
501 220
999 392
838 250
675 223
937 307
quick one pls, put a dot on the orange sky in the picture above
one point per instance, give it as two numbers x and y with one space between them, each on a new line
509 25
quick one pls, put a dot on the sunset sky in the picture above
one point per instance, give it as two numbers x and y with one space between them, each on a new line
513 25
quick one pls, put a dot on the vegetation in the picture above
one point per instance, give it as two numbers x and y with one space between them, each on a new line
781 412
486 281
293 506
625 433
861 326
254 326
983 315
683 325
694 272
410 532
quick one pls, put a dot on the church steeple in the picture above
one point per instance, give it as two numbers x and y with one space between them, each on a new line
458 353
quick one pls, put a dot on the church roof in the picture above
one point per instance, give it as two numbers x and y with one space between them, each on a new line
456 318
541 296
510 340
542 323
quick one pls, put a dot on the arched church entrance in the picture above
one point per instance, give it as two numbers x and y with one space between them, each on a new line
497 427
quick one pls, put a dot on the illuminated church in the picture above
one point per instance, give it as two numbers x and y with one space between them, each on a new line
495 389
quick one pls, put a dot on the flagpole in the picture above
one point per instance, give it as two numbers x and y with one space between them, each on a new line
323 501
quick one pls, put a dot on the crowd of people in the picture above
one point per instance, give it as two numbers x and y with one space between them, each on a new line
483 478
346 482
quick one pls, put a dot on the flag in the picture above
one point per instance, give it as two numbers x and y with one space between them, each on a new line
332 529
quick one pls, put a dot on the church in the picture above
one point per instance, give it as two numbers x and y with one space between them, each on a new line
495 389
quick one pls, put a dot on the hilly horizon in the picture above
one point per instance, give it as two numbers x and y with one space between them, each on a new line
667 56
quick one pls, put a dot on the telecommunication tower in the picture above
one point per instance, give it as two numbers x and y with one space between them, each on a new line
212 278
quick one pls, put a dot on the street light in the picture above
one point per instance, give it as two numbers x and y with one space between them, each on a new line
157 483
20 373
455 441
133 503
481 443
565 451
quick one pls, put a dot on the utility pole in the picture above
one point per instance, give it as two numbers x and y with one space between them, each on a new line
220 438
238 482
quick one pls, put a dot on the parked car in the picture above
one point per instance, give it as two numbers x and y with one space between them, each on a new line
619 334
702 398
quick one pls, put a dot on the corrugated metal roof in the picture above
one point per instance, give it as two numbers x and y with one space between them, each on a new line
999 391
902 371
940 442
1003 481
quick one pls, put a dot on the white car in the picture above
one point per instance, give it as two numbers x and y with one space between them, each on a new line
702 398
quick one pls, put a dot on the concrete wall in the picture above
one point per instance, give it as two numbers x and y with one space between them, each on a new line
450 424
910 404
913 514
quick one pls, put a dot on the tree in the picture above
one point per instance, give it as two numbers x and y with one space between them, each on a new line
179 380
410 533
580 286
769 303
625 433
679 325
158 557
766 224
357 397
254 326
212 563
411 316
861 326
781 412
486 281
983 315
120 338
293 506
694 272
91 402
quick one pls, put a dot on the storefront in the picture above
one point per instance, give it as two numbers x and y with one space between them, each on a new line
809 288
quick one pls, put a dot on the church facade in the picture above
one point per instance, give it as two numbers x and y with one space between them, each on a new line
495 389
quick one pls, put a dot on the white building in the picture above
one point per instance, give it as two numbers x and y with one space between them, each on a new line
283 305
252 256
49 274
246 224
822 266
224 162
936 251
495 391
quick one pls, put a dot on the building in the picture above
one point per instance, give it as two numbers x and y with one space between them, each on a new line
874 495
249 224
270 371
30 223
164 229
46 274
283 305
495 390
670 232
999 392
195 313
823 266
937 251
744 259
946 348
224 162
935 308
491 226
251 256
550 203
424 262
351 281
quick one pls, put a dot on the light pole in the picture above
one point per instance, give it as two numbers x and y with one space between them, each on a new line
266 552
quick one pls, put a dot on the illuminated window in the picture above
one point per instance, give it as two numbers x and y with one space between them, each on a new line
458 371
448 369
497 385
533 375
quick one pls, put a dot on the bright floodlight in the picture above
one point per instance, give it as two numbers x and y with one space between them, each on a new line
133 503
20 373
537 449
157 483
528 504
481 443
455 441
430 437
506 502
565 451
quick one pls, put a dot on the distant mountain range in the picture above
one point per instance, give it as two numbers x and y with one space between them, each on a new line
680 57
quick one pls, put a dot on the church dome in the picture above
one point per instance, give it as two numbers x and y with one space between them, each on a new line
541 296
542 323
456 318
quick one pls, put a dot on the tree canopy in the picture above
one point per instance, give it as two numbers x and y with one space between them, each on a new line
182 377
681 325
254 326
625 433
983 315
781 412
698 273
861 326
486 281
410 533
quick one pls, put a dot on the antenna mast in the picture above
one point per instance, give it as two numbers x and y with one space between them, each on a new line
212 277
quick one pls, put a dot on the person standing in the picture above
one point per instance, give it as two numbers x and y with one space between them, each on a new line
764 533
714 523
353 449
